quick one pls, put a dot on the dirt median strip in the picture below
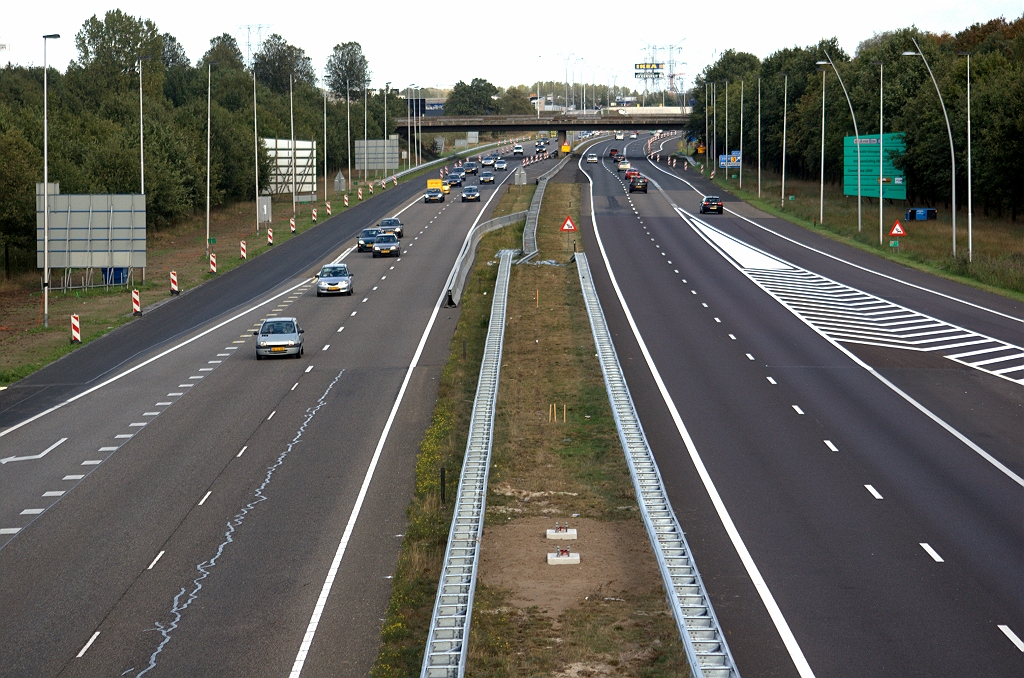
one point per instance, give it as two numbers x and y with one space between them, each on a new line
607 616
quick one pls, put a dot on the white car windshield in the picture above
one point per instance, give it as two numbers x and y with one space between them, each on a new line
278 327
334 272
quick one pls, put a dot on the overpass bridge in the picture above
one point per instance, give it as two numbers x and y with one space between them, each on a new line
561 122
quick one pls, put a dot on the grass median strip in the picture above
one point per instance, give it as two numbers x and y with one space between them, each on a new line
607 615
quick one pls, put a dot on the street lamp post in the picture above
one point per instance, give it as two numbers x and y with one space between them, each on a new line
386 86
46 188
209 71
348 132
821 195
714 128
949 130
291 110
707 141
759 137
727 124
856 138
256 149
741 133
366 129
785 105
970 207
881 148
142 155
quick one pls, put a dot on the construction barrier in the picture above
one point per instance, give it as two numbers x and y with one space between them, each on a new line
371 189
270 236
314 215
359 193
394 181
136 304
76 330
174 282
242 247
213 262
328 209
291 223
346 201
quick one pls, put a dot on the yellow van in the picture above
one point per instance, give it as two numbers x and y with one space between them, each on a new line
439 184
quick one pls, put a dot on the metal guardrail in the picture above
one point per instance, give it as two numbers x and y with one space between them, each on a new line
533 214
468 254
448 638
705 645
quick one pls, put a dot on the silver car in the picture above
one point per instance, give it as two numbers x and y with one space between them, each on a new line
500 164
279 336
334 279
386 244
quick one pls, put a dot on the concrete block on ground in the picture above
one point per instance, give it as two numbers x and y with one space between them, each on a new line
565 534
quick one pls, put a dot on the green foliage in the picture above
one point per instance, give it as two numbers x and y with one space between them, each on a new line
472 99
276 60
911 107
347 70
515 101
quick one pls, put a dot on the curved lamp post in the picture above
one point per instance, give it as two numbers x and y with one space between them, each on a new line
949 130
856 135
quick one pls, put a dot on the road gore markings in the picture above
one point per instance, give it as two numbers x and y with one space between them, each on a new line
92 640
831 446
158 557
205 497
930 551
873 491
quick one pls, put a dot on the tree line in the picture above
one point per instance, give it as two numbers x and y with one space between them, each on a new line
94 119
911 107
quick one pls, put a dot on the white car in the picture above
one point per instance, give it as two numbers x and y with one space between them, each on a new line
633 135
619 136
517 149
592 157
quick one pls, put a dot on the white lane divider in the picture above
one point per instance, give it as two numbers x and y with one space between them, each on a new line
1008 632
92 640
205 497
873 491
798 410
241 451
309 369
828 443
42 454
930 551
158 557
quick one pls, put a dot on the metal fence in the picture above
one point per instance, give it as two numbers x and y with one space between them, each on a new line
448 638
468 254
706 649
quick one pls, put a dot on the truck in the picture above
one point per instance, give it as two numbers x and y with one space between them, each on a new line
439 184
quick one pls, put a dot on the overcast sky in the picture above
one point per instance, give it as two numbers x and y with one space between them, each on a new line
505 42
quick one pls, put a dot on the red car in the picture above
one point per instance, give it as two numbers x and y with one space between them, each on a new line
630 173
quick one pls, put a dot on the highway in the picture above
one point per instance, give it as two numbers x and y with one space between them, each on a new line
169 506
854 506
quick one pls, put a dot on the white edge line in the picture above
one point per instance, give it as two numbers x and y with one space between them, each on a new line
87 645
1008 632
325 591
844 261
788 639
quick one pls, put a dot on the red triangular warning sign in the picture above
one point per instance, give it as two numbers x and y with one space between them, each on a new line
568 225
897 230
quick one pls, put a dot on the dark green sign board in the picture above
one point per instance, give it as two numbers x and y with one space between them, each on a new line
894 182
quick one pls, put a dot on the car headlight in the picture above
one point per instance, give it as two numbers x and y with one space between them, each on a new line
291 343
322 284
263 343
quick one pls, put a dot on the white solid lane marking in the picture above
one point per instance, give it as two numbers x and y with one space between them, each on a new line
158 557
326 346
76 476
309 369
873 491
42 454
930 551
798 410
205 497
87 645
54 493
241 451
10 530
1008 632
750 357
32 512
830 445
771 605
772 381
92 462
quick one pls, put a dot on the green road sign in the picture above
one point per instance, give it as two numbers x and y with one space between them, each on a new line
894 182
894 243
213 241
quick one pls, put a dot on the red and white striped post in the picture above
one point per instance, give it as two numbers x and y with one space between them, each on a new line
314 215
270 236
136 304
174 282
242 249
291 223
359 193
371 188
213 262
328 209
346 201
394 181
440 172
76 330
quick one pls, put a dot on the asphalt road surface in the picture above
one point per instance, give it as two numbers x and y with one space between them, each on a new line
208 514
872 493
